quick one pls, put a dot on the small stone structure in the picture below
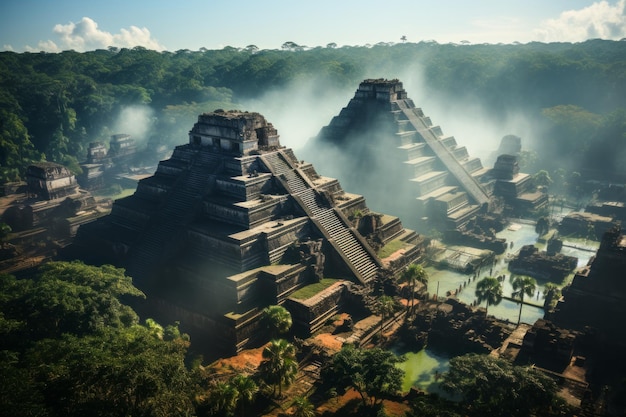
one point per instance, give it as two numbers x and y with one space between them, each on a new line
515 188
49 181
541 265
596 296
53 202
457 328
548 346
589 225
102 164
233 222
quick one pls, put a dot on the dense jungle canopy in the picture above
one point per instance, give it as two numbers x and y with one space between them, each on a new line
53 104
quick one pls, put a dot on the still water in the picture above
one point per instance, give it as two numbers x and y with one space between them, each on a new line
423 368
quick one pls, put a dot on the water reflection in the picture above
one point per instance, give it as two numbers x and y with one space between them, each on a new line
444 282
422 369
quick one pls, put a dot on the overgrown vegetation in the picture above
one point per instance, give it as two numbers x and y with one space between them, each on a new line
71 347
54 104
391 247
310 290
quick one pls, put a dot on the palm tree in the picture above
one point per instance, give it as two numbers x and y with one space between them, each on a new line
489 289
246 391
523 286
279 366
414 274
302 407
385 306
223 398
551 292
277 319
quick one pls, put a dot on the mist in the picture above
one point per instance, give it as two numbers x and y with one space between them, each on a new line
301 109
136 121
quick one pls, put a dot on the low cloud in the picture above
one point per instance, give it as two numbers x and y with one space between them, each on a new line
86 36
600 20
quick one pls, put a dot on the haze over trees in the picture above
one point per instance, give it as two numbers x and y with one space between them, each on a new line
54 104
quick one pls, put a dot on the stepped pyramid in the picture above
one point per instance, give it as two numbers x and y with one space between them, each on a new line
234 222
382 145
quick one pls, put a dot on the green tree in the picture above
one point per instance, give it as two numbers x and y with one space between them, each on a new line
494 387
542 178
412 275
277 319
222 400
552 293
371 372
246 391
542 226
489 290
302 407
279 365
385 306
522 286
5 230
127 371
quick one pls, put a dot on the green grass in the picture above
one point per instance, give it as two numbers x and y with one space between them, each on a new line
391 247
309 291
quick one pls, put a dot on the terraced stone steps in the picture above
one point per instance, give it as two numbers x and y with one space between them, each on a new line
327 218
176 211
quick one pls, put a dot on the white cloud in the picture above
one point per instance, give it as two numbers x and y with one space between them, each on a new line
47 46
600 20
85 35
7 47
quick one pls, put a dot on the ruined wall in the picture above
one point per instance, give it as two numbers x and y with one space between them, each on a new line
311 314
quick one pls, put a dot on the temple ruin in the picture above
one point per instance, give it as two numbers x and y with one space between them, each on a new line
386 146
52 202
596 297
233 222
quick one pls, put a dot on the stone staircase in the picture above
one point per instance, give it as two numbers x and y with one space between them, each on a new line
444 154
329 221
167 225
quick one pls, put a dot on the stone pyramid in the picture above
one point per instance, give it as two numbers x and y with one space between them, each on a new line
234 222
382 145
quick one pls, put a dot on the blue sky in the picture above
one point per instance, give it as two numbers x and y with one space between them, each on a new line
56 25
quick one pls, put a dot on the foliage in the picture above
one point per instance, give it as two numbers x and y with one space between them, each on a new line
55 104
277 319
391 247
542 178
67 297
489 290
494 387
433 406
310 290
279 365
126 371
71 347
370 372
385 306
542 226
5 230
412 275
225 397
523 285
552 293
302 407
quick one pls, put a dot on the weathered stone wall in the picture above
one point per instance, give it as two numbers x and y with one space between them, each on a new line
311 314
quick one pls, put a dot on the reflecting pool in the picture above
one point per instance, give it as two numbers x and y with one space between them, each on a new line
422 369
